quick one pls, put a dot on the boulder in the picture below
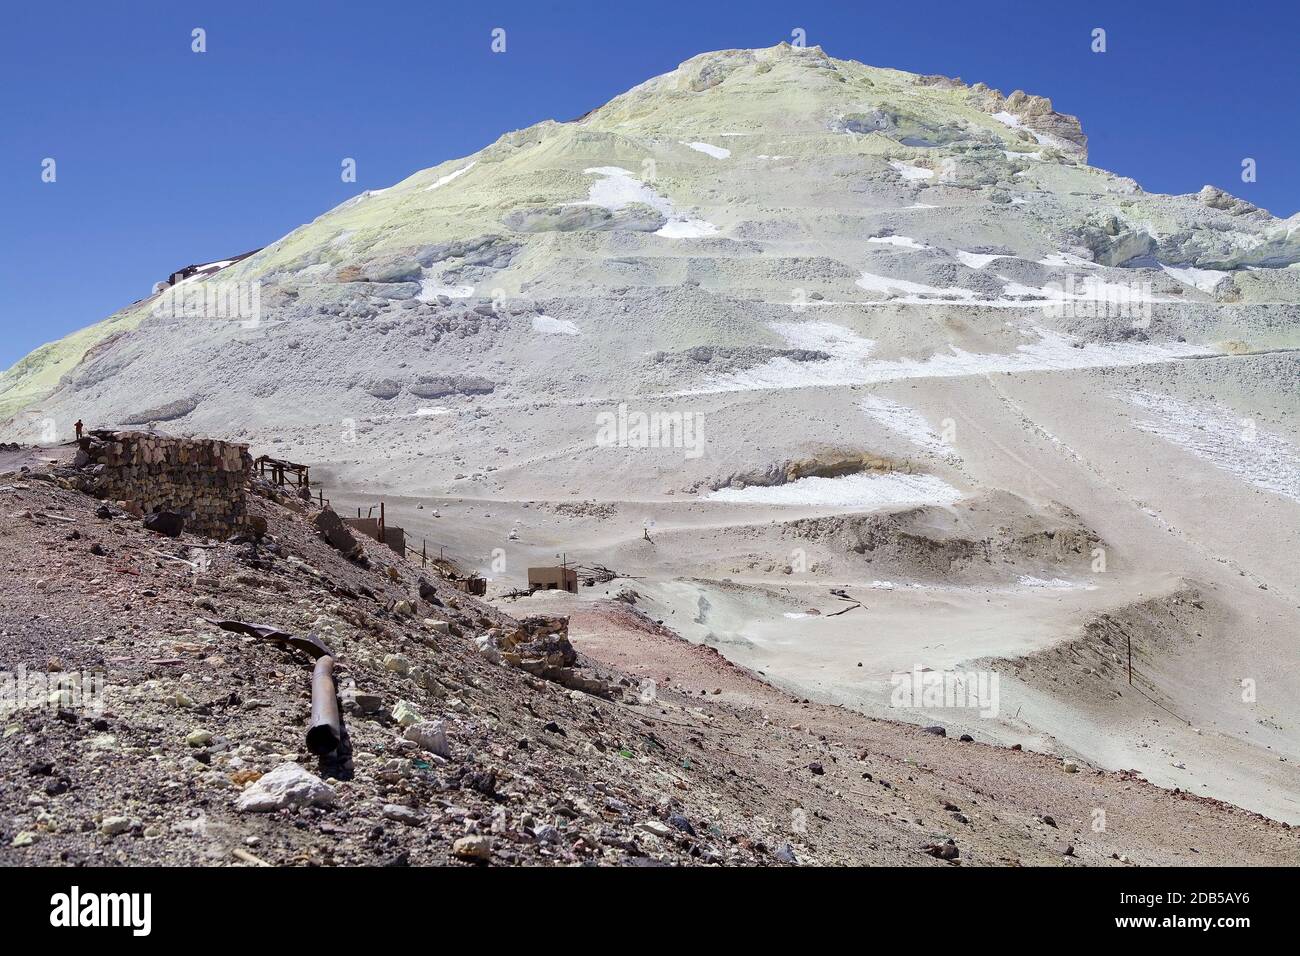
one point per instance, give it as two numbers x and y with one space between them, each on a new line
288 785
339 535
431 736
165 522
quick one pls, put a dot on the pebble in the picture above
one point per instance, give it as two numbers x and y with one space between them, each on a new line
199 738
112 826
395 811
681 823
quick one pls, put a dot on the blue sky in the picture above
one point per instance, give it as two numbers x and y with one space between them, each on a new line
166 157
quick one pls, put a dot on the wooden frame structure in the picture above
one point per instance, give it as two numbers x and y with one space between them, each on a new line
279 467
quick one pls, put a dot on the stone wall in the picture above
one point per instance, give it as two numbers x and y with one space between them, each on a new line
198 478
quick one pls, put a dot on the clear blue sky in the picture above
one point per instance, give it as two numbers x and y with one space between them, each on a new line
166 157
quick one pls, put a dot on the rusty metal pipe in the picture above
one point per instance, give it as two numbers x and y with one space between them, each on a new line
324 733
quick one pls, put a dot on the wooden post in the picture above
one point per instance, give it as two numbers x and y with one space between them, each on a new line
381 521
1130 659
424 552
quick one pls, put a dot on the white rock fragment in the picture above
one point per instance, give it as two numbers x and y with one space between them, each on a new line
432 736
112 826
405 713
288 785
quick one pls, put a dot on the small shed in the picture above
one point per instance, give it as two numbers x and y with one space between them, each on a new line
553 579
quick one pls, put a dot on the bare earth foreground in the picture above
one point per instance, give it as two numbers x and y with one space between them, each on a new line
714 766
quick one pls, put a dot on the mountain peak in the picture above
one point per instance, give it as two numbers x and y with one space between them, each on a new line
817 92
737 181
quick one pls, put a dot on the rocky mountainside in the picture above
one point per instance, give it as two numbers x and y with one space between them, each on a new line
658 245
773 326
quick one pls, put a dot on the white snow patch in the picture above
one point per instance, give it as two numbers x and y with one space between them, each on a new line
717 152
906 421
912 291
1221 436
549 326
1050 351
1088 288
910 171
1204 279
825 337
1053 584
975 260
686 229
847 349
430 290
444 180
920 205
617 188
1065 260
431 412
865 490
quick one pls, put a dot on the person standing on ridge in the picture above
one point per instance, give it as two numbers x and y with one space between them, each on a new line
78 426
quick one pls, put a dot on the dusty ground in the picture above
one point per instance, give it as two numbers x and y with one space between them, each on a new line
706 765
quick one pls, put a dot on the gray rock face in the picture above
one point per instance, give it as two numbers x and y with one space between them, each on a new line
163 413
